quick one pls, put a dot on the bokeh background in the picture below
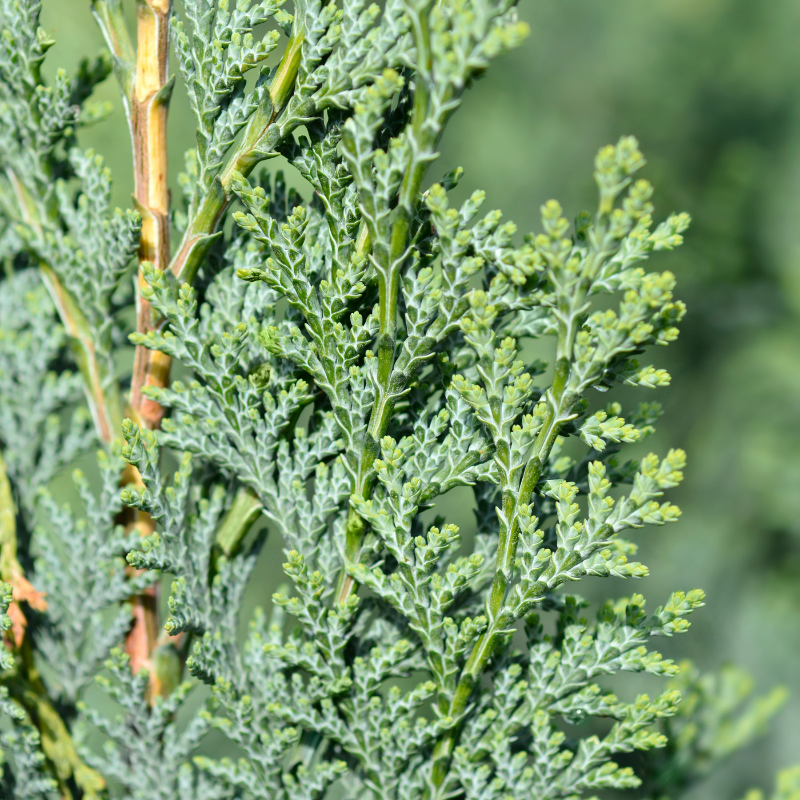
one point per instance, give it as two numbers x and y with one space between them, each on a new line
712 90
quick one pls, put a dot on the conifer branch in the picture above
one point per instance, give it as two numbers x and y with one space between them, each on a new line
100 386
26 683
350 360
260 139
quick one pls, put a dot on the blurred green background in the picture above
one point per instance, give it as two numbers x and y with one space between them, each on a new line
712 90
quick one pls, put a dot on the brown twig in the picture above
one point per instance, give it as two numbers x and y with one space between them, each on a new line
143 78
142 73
148 104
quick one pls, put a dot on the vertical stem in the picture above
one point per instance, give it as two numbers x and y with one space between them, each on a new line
146 90
149 103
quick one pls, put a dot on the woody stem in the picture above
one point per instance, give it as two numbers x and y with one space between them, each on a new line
142 74
149 103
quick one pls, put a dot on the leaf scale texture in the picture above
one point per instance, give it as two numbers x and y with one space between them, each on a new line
348 354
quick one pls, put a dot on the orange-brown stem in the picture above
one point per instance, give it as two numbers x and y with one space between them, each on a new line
144 630
149 104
